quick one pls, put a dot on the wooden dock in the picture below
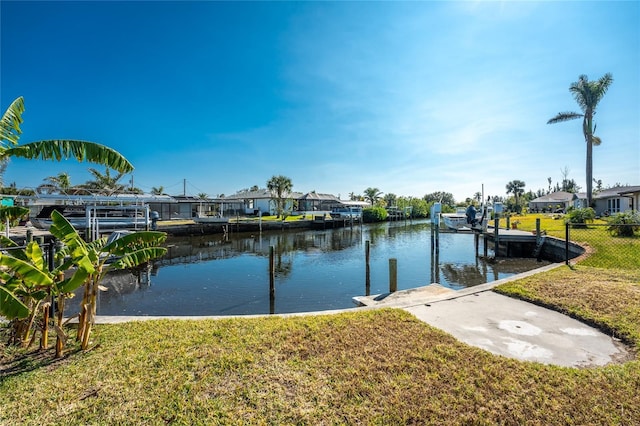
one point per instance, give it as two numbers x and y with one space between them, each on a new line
507 241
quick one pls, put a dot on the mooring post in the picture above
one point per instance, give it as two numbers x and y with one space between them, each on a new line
496 233
476 240
272 272
29 236
367 278
566 243
393 275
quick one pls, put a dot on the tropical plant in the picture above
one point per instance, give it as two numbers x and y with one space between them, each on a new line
624 224
61 183
28 288
55 149
580 217
516 187
104 183
444 198
157 191
280 187
9 215
587 94
203 196
374 214
372 195
390 199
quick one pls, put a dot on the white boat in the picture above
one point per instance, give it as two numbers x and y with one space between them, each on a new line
459 221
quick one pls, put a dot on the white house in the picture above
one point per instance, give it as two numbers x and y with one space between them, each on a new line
556 201
616 200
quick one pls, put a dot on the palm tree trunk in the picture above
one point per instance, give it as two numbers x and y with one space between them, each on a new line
588 136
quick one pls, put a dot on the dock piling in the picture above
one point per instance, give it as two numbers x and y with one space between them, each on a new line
393 275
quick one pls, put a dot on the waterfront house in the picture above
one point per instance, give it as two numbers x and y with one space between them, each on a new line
558 201
616 200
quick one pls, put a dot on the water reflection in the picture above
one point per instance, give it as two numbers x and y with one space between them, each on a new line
314 270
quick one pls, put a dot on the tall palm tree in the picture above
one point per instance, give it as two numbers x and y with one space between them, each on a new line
279 187
516 187
587 94
157 191
372 195
54 149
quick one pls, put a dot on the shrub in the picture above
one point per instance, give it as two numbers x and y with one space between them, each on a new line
581 216
374 214
624 224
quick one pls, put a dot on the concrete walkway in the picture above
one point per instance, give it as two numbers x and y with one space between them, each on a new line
506 326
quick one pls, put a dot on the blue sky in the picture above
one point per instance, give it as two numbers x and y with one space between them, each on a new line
408 97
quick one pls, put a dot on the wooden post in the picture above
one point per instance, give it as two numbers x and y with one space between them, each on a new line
538 236
272 272
393 275
496 233
476 240
508 222
29 236
367 279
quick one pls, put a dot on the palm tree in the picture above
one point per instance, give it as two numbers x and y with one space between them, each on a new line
516 187
280 187
157 191
372 195
104 183
54 149
587 94
60 183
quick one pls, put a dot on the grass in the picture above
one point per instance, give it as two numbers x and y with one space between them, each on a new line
367 367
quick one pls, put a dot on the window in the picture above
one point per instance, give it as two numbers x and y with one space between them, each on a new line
613 205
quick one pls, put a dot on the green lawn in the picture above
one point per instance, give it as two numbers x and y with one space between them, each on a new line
371 367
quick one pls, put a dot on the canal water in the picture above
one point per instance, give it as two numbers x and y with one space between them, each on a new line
315 270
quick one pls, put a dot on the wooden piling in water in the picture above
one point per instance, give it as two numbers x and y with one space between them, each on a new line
272 272
393 275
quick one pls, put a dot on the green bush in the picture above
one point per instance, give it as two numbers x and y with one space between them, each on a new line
581 216
624 224
374 214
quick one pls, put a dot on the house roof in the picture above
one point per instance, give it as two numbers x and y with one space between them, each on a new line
314 196
556 197
617 191
259 194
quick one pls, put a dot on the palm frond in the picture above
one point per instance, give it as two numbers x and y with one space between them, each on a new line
10 123
596 141
564 116
59 149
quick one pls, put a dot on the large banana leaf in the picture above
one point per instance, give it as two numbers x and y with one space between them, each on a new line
72 283
10 305
75 246
31 275
135 241
34 254
17 253
59 149
10 123
12 212
138 257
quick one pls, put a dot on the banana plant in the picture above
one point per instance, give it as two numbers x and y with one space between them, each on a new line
27 287
96 259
